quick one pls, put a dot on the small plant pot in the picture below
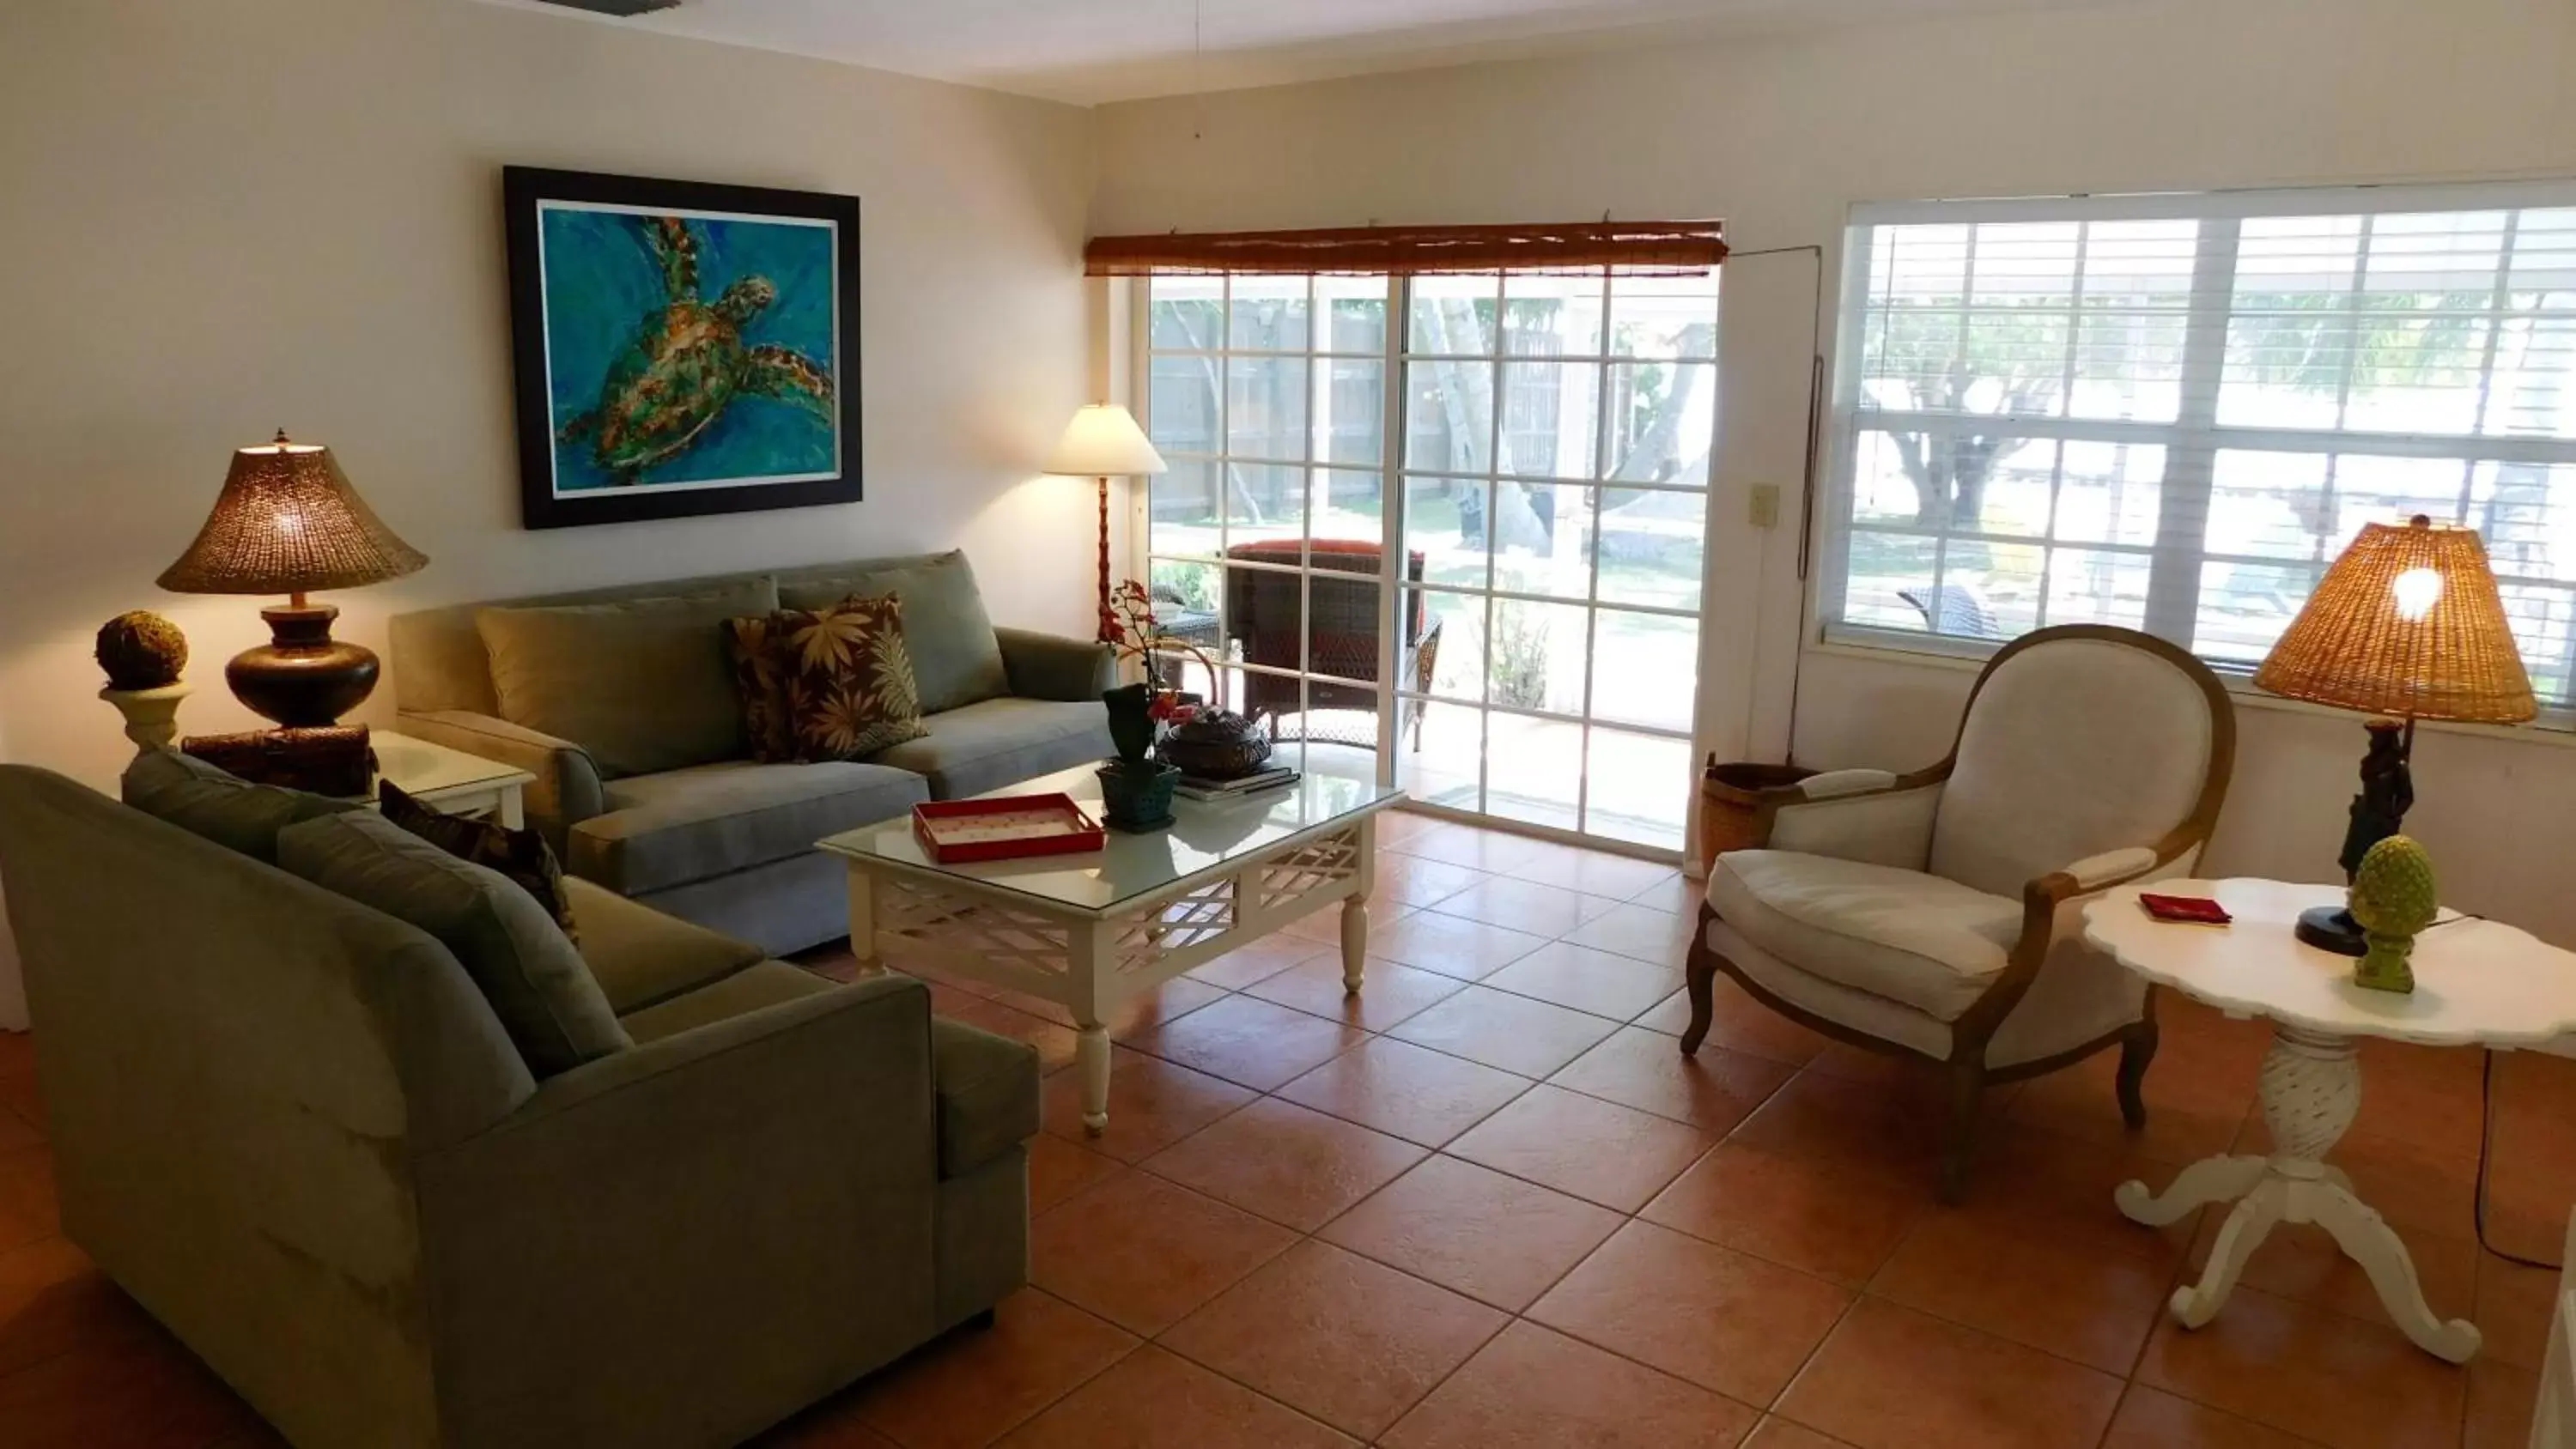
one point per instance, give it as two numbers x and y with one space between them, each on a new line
1136 796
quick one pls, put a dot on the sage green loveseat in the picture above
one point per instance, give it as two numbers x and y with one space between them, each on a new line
293 1129
644 778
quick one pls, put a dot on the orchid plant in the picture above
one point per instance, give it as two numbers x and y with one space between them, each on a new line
1132 630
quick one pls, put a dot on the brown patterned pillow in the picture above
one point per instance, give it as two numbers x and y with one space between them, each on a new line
850 689
760 684
520 856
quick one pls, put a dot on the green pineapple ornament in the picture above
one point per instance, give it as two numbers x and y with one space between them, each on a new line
2394 898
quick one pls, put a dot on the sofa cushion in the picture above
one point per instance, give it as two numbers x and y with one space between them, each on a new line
763 983
640 956
218 805
984 747
642 685
521 857
956 658
987 1089
1916 939
528 970
687 825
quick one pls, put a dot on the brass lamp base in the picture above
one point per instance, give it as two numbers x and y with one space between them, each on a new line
2332 928
302 677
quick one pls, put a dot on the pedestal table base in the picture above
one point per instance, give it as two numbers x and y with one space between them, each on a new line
2311 1090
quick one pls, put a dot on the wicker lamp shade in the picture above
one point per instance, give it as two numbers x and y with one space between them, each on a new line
2406 623
288 522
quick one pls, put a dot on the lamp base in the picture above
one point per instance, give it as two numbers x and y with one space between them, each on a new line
2332 928
302 677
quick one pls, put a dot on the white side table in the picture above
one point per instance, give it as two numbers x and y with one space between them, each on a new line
2477 982
452 780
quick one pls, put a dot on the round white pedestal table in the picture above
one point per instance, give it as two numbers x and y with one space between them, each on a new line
2477 983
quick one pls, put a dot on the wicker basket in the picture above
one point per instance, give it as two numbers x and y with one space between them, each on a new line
1730 798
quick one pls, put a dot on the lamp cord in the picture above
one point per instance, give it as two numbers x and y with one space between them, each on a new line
2486 1154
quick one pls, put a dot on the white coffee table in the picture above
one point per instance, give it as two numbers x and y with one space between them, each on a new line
2477 982
1091 930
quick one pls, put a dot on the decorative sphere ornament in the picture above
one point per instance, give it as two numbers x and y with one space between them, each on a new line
141 650
2394 897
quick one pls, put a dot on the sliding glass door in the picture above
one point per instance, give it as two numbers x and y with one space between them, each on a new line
1544 439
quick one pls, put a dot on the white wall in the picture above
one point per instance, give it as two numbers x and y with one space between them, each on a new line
229 215
1780 136
224 216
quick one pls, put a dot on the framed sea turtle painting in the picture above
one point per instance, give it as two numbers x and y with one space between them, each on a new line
682 347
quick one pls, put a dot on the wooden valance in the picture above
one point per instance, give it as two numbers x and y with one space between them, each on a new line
1657 248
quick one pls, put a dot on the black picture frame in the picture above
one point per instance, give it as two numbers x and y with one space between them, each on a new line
543 504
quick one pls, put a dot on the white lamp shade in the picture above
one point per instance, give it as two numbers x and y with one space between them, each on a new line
1103 441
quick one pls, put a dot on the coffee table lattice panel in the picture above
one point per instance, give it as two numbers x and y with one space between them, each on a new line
981 930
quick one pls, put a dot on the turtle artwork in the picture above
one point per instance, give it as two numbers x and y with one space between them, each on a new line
682 347
688 363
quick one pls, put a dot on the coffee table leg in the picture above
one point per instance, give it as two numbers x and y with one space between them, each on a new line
863 922
1354 943
1091 1058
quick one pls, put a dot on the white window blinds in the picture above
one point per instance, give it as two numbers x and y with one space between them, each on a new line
2173 412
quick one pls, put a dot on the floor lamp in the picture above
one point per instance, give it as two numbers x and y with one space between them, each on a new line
1103 442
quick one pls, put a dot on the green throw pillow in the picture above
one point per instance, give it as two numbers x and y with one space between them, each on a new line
219 805
537 984
643 685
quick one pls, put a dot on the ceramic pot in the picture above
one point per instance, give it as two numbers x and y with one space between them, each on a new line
1136 795
1217 745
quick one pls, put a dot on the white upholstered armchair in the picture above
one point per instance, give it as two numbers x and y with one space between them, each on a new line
1937 914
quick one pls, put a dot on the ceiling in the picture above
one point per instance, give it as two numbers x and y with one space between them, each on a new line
1095 51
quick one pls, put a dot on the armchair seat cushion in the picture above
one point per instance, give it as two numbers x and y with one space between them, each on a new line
987 1090
763 983
997 742
1919 940
984 1087
689 825
640 956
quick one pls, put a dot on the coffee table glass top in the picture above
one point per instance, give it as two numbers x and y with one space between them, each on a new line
1203 837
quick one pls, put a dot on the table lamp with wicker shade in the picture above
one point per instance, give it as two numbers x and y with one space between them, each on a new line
2408 625
288 523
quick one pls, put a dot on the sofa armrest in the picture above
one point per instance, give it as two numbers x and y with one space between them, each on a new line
746 1204
1055 666
568 784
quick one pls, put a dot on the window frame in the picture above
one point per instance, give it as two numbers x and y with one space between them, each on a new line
2192 440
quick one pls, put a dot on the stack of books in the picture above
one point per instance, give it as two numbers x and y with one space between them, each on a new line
1199 787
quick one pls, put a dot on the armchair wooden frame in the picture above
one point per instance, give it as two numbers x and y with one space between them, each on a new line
1974 1029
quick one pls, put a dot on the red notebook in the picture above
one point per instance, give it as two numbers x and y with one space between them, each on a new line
2192 910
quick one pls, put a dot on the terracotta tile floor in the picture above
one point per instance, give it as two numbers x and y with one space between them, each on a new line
1490 1205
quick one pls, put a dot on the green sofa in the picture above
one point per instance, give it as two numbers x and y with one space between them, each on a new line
294 1130
618 701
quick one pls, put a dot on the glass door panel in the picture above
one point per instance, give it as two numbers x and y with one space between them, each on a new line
1540 472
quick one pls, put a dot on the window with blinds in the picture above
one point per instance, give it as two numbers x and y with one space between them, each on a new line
2173 412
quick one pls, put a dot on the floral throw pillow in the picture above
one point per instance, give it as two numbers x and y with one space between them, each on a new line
850 689
760 685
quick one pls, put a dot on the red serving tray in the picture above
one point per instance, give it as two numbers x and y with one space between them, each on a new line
1078 832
